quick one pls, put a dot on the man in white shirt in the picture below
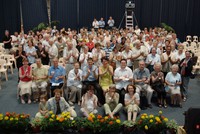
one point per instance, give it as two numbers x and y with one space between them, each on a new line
123 76
95 24
74 84
53 51
111 22
152 58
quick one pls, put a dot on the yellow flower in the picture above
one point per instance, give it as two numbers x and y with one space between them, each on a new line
6 118
1 115
151 121
146 127
157 119
160 112
11 119
142 116
106 117
53 115
68 116
58 118
50 112
51 120
118 121
151 116
16 118
1 118
147 117
165 119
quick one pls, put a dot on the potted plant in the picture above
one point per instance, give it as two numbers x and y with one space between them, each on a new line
129 126
172 126
36 124
12 122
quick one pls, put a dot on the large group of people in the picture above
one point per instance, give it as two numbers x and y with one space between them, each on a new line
113 68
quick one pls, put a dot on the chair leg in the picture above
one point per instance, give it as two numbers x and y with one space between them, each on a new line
11 67
6 75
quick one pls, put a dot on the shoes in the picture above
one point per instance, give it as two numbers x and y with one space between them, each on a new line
71 103
165 105
150 106
184 99
22 101
29 101
159 105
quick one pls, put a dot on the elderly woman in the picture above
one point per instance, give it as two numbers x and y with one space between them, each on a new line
105 74
132 101
30 52
157 83
173 81
25 75
89 102
112 105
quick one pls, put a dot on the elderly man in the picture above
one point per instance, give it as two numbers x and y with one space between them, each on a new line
56 75
90 76
57 104
74 84
53 51
70 55
123 76
40 75
142 78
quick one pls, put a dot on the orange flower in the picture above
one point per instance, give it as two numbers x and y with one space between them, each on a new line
99 117
7 114
102 120
111 122
61 119
162 117
90 119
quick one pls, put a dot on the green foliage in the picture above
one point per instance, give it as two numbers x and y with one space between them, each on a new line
43 25
167 27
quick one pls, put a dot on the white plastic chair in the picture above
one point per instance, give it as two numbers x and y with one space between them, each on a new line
3 69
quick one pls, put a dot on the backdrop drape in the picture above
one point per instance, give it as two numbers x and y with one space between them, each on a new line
9 16
33 12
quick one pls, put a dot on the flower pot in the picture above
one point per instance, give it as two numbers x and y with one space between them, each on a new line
36 129
128 129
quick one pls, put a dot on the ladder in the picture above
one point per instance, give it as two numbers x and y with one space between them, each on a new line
129 19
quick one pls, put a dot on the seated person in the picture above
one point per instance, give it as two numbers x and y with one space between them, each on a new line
90 77
112 105
74 84
89 102
157 83
56 75
123 76
173 81
25 75
40 75
57 104
105 75
132 102
43 107
142 78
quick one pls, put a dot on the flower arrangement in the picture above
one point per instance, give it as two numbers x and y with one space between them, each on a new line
14 122
152 123
54 122
97 123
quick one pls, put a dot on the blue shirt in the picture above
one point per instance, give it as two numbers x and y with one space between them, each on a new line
91 76
101 23
59 71
108 51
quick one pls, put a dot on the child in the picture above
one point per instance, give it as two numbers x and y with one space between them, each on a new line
89 102
43 107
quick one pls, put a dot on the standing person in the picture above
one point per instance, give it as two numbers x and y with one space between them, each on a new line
101 23
42 54
89 102
53 51
7 42
25 75
111 22
19 56
30 52
112 105
95 24
56 75
132 102
186 66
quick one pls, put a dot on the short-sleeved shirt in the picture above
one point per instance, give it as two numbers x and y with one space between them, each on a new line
171 78
140 74
31 59
40 72
59 71
127 97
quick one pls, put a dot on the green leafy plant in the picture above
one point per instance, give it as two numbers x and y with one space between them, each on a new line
128 123
167 27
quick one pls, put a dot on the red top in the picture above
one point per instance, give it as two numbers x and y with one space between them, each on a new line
25 79
90 46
